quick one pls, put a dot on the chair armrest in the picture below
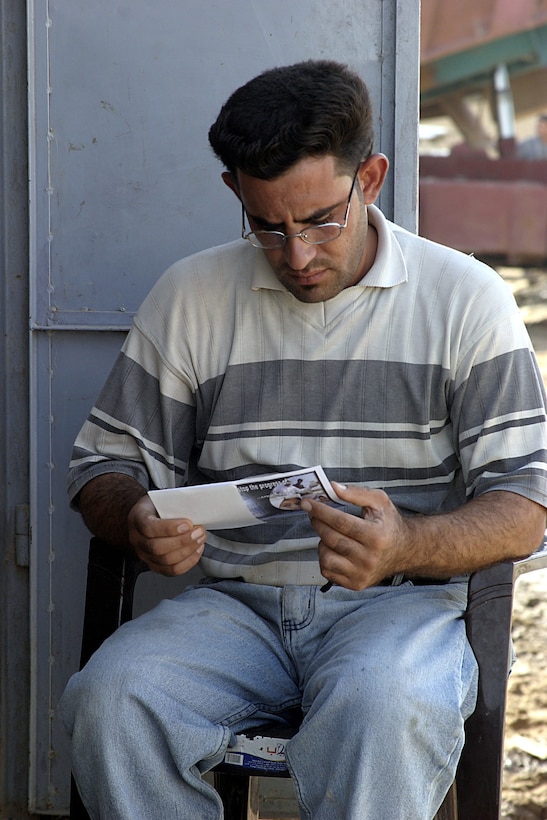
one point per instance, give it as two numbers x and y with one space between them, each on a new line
537 560
488 622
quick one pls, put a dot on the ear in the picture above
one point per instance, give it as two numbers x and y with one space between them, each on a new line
371 176
229 180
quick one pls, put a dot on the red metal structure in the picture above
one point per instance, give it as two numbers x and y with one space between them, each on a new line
481 199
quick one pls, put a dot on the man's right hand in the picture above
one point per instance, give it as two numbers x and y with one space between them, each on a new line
116 508
167 546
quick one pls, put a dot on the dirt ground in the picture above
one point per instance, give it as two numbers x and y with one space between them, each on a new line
525 770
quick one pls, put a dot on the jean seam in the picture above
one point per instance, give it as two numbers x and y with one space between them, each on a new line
253 708
290 626
296 783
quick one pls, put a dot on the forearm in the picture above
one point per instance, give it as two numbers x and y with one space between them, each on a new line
495 527
105 503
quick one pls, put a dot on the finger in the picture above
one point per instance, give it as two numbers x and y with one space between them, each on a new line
354 571
150 526
145 520
145 524
324 518
333 539
334 565
164 544
171 561
371 501
342 572
176 569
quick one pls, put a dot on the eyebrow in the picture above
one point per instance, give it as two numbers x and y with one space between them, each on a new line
316 216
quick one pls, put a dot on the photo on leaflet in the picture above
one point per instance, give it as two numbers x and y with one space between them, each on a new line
269 498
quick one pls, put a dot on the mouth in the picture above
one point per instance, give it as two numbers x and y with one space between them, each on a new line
308 278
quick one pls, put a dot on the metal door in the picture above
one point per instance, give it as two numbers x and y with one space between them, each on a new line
122 93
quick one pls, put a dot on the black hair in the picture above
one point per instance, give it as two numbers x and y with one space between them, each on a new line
286 114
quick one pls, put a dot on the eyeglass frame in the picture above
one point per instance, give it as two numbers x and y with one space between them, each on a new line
301 234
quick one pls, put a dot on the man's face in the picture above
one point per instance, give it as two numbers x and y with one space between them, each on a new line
290 504
312 192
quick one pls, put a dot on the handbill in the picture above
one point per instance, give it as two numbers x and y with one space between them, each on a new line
246 502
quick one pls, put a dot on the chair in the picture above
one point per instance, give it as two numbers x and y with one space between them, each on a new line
476 792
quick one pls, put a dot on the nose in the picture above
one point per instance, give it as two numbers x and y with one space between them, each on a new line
298 254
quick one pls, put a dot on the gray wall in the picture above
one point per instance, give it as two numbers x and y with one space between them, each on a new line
122 183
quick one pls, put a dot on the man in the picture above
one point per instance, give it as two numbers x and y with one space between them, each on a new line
535 147
332 337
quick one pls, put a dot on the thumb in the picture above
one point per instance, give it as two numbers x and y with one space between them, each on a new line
352 494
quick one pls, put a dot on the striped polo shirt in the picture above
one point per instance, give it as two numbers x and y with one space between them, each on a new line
419 380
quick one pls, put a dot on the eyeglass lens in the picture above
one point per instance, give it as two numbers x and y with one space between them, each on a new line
314 235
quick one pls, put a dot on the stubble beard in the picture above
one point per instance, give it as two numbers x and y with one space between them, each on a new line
338 278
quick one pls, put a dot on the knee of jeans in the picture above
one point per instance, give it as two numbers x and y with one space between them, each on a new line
372 692
97 695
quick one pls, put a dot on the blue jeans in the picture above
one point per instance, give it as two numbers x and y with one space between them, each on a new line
385 678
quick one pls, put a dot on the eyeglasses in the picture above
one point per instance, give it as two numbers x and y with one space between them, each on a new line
314 235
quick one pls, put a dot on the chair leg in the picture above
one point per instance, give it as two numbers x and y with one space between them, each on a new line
234 793
77 809
254 797
449 808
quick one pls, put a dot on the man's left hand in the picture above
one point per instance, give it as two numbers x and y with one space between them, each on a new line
358 552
